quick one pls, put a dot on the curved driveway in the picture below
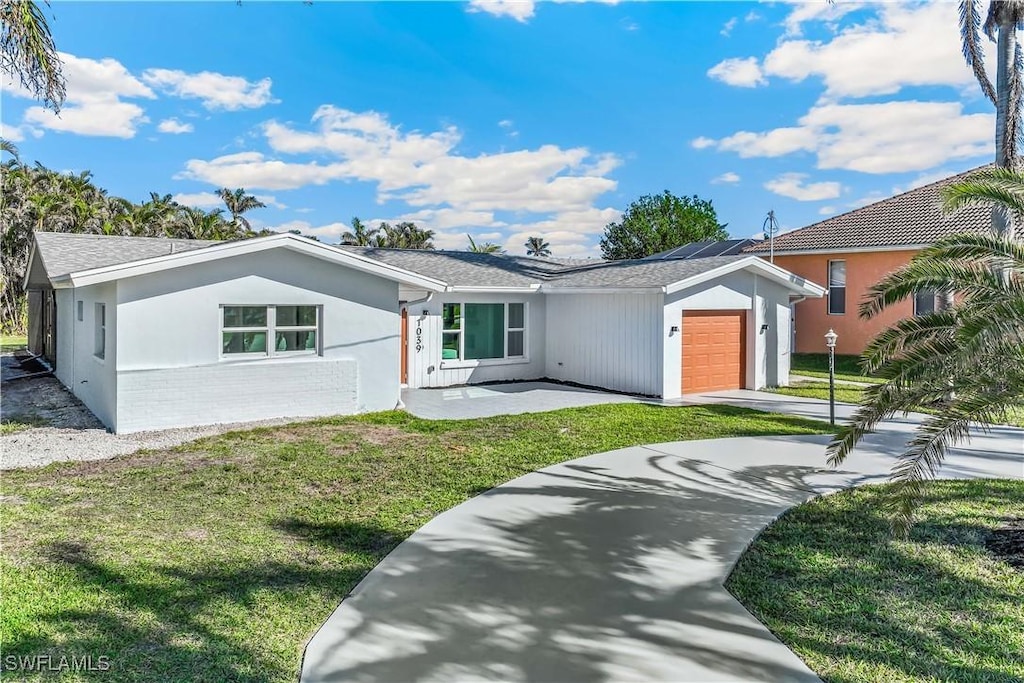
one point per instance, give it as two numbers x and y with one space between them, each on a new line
609 567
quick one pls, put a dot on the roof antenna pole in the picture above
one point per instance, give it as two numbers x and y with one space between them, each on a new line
770 227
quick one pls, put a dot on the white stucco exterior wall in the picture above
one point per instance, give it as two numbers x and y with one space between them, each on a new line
428 369
606 340
171 372
91 379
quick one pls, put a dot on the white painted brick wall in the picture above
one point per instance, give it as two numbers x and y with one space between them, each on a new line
235 392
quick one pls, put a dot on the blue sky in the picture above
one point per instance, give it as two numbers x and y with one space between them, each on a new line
505 119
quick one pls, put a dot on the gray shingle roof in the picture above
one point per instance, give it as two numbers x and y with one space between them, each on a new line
466 268
63 253
638 273
908 219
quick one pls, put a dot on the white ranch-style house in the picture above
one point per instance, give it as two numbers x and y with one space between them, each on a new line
157 333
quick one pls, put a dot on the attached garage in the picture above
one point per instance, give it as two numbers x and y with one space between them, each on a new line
713 350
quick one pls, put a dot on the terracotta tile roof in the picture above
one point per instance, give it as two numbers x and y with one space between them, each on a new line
908 219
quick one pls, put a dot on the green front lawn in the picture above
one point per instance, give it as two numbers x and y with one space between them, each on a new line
830 581
217 560
816 365
10 344
848 393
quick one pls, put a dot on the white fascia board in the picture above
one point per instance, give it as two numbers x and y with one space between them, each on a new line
28 269
207 254
603 290
756 263
839 250
468 289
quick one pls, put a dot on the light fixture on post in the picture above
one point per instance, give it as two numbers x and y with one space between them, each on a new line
830 342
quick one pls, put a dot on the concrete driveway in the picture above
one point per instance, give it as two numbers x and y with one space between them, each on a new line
508 398
609 567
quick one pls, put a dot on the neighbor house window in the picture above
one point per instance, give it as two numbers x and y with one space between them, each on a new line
836 287
928 301
483 331
269 330
100 339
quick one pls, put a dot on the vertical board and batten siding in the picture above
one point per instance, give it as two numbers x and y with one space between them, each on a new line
766 302
171 372
606 340
426 367
92 380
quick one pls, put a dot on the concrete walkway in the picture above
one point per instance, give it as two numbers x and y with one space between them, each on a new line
609 567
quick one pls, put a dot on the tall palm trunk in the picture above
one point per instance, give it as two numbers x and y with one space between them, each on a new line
1006 117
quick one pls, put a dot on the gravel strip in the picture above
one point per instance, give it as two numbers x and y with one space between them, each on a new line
39 446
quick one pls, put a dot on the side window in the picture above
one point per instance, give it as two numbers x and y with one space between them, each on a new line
100 332
836 287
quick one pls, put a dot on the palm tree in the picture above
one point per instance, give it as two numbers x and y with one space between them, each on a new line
237 203
966 360
485 248
536 246
403 235
196 224
1000 25
28 53
359 235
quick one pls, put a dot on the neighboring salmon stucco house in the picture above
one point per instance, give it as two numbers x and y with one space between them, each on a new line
851 252
153 333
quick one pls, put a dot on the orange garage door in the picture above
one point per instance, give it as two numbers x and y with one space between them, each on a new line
714 350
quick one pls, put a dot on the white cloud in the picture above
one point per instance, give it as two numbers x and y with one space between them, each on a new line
728 27
94 104
906 45
727 178
11 133
203 200
330 232
423 170
174 127
889 137
827 211
271 201
816 10
743 73
702 143
214 90
520 10
793 185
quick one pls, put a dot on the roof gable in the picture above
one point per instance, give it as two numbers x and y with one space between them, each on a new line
911 219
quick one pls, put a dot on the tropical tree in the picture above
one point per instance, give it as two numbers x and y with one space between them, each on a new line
536 246
28 53
1002 20
237 203
359 235
655 223
485 248
403 235
967 360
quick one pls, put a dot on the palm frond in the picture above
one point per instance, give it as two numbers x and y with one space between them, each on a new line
970 38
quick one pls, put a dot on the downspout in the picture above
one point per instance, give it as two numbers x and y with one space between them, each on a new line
406 305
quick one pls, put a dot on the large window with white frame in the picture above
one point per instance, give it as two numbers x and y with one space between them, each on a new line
483 331
271 330
836 287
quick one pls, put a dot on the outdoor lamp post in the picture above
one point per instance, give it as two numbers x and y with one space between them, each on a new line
830 342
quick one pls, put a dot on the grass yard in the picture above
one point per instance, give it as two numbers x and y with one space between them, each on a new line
217 560
10 344
851 394
816 365
857 605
